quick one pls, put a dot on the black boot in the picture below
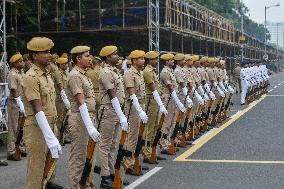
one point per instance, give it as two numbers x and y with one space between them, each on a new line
51 185
106 182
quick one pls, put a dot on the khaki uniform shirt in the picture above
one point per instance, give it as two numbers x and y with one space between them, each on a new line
60 77
237 72
38 85
110 79
180 77
217 73
189 76
94 75
203 74
167 77
211 74
15 82
134 79
150 76
79 83
196 75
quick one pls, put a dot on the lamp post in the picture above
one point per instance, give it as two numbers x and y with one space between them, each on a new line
265 38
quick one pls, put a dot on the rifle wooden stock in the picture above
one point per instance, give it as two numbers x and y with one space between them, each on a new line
196 122
172 149
209 111
225 115
88 163
153 158
117 183
220 113
21 122
140 143
184 128
48 170
158 135
89 156
63 126
215 113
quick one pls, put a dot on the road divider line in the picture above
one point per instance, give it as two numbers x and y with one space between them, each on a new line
194 148
143 178
232 116
270 90
234 161
275 87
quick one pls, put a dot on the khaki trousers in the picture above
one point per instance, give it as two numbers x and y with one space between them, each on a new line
80 138
133 131
110 127
37 151
13 112
169 122
151 126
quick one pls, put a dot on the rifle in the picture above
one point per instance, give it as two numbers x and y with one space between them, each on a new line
63 126
48 172
140 143
184 128
89 156
117 183
172 149
158 135
227 106
215 112
21 122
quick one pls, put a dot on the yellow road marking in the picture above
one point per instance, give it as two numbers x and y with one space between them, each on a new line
194 148
234 161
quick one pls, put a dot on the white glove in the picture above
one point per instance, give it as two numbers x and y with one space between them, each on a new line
1 116
50 139
223 87
93 132
221 93
212 96
185 91
157 98
179 105
189 102
198 97
206 98
119 113
65 99
207 88
20 105
231 89
143 116
201 90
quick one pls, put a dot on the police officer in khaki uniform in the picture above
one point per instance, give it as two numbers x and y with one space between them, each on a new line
236 77
169 89
39 100
15 104
112 98
94 73
60 79
155 106
135 86
82 116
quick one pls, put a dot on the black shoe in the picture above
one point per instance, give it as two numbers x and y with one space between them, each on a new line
106 182
130 171
177 149
145 168
147 160
3 163
51 185
125 182
161 158
12 158
166 152
24 153
67 141
243 104
97 169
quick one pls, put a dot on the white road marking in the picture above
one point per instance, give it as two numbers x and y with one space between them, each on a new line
270 90
204 136
143 178
275 87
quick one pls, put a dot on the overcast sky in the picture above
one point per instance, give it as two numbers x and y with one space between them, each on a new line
275 14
